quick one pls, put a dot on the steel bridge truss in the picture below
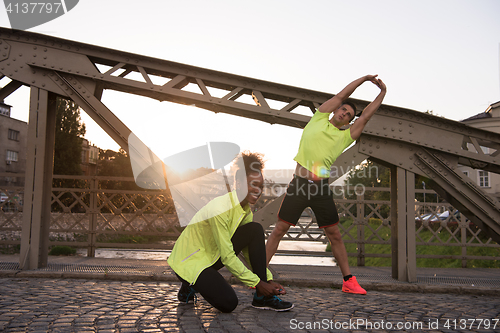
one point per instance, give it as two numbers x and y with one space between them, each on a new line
410 142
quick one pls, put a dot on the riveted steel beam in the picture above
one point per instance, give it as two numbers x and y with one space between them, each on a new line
9 89
79 89
38 183
481 208
395 135
442 168
439 134
24 56
268 214
347 162
392 151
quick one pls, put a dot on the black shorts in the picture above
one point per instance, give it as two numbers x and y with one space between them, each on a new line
302 193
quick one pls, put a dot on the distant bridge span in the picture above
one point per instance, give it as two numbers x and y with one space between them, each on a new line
406 140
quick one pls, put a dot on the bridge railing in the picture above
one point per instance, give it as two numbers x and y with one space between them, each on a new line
110 212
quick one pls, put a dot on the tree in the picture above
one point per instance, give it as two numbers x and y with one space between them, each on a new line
68 139
370 174
67 152
112 163
117 164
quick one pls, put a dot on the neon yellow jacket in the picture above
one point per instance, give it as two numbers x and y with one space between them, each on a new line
201 244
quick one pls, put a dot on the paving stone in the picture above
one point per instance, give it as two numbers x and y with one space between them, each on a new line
77 305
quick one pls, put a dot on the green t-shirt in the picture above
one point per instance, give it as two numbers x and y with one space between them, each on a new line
320 145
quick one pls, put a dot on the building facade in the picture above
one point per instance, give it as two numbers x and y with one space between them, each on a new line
13 141
90 155
490 121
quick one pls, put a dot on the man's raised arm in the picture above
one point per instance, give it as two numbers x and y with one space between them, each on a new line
360 123
336 101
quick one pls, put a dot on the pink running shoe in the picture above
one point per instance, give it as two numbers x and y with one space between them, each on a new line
352 286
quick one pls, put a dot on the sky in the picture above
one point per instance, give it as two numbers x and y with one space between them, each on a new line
439 55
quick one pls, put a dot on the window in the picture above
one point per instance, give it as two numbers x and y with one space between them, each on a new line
12 156
466 173
13 135
484 178
4 110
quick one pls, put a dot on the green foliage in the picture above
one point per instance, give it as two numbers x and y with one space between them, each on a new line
128 239
370 174
68 138
67 151
60 250
424 235
10 248
117 164
114 164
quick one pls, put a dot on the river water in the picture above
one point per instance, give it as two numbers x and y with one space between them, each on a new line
278 259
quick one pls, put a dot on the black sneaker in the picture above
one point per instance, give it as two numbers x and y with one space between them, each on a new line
271 303
186 293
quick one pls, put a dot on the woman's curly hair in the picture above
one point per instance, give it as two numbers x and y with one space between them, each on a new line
250 162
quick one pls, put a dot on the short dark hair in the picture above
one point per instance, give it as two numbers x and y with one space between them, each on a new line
353 106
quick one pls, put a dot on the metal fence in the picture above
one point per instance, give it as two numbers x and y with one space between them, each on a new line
108 212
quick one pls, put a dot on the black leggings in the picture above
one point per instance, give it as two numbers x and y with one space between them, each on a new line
212 285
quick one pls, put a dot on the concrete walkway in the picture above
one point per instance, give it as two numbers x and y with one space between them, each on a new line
80 294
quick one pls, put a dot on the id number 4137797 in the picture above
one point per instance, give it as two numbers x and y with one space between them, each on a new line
34 7
463 324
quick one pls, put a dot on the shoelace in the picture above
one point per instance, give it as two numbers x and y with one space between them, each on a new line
276 297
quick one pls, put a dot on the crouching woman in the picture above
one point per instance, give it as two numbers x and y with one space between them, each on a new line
216 235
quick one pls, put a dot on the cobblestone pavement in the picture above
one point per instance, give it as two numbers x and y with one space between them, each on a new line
78 305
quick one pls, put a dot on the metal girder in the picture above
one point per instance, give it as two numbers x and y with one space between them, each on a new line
9 89
27 54
346 162
393 151
441 168
403 235
29 58
268 214
482 209
439 134
38 182
395 135
78 89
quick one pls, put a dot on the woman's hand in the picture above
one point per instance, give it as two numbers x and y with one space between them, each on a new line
279 287
270 288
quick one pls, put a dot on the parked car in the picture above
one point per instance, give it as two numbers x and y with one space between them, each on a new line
453 220
443 216
437 218
11 201
431 217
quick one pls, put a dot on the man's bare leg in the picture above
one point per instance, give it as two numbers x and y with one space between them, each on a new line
350 284
274 239
338 249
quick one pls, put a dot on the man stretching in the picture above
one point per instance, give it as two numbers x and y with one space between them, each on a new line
321 143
